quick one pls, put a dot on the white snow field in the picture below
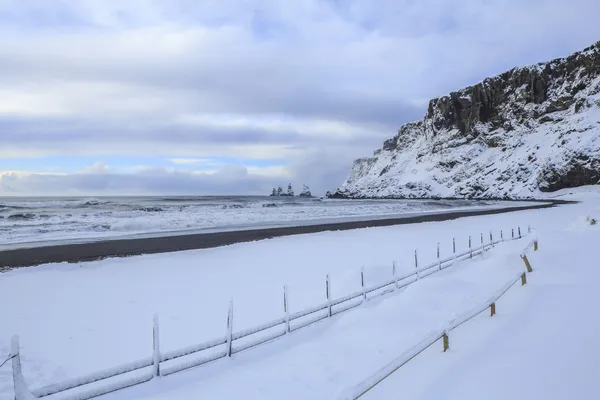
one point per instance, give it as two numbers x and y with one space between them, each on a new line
75 319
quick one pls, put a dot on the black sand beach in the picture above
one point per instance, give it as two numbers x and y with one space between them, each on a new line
129 247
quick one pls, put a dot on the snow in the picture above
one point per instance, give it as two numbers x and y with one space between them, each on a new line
540 344
75 319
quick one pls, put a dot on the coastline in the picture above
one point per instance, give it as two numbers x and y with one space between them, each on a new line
90 251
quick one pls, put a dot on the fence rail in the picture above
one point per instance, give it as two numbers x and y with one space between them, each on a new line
153 364
365 386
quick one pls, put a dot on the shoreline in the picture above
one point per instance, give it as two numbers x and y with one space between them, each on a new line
97 250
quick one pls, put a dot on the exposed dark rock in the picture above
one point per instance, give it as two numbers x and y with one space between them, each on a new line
581 170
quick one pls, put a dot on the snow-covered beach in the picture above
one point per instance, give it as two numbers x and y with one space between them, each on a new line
97 315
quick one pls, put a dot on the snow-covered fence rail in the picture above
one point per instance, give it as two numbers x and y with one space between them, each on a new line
145 369
369 383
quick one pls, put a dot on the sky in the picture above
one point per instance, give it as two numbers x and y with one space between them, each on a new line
235 97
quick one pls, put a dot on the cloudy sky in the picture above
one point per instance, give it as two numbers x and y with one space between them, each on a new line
236 96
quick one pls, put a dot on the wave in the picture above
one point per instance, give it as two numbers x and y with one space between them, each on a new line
91 202
27 217
21 217
149 209
9 207
230 206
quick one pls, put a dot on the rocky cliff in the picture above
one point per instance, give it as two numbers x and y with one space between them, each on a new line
529 130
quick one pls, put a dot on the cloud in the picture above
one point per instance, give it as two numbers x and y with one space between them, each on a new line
97 168
97 180
312 82
186 161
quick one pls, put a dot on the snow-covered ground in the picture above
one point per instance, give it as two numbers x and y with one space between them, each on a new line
540 345
75 319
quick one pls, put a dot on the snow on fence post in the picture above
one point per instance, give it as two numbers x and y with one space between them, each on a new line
417 264
20 387
286 309
230 328
362 283
155 348
394 275
328 293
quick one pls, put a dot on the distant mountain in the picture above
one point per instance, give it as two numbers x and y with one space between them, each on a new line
530 130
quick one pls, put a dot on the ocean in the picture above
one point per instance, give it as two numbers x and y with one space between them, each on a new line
54 219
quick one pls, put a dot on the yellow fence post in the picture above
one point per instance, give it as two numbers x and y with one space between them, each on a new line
492 309
527 264
446 342
535 245
523 279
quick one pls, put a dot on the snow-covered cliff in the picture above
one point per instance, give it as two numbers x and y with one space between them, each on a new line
529 130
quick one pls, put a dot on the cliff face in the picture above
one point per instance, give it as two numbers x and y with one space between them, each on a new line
529 130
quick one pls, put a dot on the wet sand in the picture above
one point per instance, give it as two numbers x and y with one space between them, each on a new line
79 252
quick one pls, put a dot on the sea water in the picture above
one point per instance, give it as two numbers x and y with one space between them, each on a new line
51 219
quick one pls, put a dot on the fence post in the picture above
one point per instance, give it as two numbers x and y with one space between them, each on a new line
230 328
491 237
453 246
501 236
523 279
286 309
481 238
513 232
417 264
492 309
470 251
535 245
328 294
20 387
438 257
156 347
446 341
527 264
519 232
362 283
394 275
528 228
